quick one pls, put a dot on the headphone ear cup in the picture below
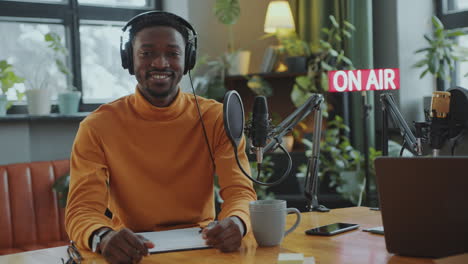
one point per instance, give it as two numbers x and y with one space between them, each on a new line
129 54
127 60
190 57
123 56
126 54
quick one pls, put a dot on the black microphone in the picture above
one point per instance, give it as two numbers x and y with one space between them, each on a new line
259 131
440 109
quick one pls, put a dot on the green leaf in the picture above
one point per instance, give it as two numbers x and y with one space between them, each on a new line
299 96
325 44
347 34
457 33
347 60
436 22
338 38
303 82
333 21
422 50
428 38
420 63
326 66
433 64
349 25
324 81
7 76
61 186
423 73
227 11
333 52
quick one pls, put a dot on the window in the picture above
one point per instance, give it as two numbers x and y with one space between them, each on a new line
90 29
457 5
454 15
26 49
121 3
103 79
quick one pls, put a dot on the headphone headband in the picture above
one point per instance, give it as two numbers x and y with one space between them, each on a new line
126 47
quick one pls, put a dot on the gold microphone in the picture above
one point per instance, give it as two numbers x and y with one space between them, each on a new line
440 108
440 104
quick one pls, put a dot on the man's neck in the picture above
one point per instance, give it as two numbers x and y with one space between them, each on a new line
159 101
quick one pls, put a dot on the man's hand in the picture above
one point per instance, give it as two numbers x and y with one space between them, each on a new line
225 235
124 246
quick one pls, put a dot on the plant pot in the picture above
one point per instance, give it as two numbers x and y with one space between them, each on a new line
239 62
68 102
3 104
297 64
38 101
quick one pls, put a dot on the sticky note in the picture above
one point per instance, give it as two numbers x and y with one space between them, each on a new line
290 258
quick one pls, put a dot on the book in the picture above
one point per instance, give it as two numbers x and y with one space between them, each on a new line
269 59
175 240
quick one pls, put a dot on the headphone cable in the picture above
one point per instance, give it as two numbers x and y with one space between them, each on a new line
201 120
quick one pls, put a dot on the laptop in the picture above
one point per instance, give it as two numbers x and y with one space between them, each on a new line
424 205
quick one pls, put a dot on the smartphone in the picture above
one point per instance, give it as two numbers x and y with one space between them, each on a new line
332 229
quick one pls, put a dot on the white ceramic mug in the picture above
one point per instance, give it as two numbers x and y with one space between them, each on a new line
268 219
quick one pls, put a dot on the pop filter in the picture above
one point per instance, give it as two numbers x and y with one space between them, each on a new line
458 110
233 117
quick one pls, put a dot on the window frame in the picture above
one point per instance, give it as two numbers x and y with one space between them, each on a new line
451 20
69 13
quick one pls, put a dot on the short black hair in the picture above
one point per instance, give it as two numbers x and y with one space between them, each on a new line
159 19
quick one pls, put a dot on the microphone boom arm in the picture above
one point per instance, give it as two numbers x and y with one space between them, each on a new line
389 106
292 120
313 104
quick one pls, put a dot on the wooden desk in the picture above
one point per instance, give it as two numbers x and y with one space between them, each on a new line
354 247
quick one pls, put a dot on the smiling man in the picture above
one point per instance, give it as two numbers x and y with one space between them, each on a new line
150 157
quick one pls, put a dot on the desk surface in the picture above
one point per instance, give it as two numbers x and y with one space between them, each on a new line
350 247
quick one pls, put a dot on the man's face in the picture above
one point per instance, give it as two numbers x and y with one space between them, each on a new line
158 57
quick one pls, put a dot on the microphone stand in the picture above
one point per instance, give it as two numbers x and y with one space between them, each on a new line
311 183
389 106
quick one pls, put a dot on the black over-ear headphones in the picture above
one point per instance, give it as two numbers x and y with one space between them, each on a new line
126 47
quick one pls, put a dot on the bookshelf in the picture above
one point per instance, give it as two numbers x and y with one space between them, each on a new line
281 84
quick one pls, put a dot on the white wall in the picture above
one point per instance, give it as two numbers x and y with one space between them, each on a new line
413 21
213 36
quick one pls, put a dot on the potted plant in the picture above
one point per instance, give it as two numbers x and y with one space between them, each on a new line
209 81
8 79
61 187
296 50
237 61
37 85
441 54
330 56
69 98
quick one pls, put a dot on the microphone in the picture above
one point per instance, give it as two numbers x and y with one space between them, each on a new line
440 109
259 131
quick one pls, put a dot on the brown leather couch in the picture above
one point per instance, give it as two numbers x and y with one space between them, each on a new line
30 217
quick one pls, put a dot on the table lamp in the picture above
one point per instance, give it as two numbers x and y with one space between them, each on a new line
278 16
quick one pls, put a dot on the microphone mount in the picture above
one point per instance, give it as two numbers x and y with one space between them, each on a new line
414 144
233 115
313 104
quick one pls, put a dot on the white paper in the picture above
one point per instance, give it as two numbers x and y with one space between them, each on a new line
175 240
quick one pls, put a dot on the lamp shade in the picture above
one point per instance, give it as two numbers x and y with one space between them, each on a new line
278 16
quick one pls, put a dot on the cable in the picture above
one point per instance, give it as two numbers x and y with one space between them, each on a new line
202 123
403 147
269 184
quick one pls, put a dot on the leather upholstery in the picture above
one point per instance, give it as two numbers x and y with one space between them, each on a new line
30 217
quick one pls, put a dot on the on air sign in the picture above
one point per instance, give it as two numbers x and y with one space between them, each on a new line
364 80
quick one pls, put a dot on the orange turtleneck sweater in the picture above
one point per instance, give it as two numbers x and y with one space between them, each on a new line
151 167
